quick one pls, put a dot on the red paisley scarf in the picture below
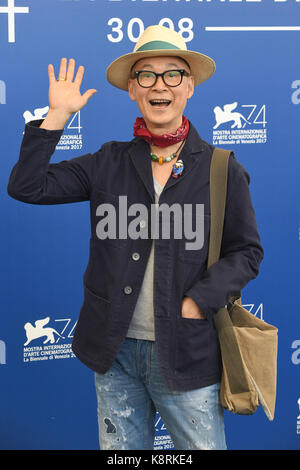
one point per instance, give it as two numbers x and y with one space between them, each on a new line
165 140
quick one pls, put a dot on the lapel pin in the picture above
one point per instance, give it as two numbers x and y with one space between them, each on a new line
177 169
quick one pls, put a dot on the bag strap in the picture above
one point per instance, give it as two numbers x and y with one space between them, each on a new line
218 190
229 345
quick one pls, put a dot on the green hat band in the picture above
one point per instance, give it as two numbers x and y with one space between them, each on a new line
152 45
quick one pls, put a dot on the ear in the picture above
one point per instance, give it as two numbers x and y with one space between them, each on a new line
131 89
191 86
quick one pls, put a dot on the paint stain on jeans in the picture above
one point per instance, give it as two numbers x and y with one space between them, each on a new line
111 428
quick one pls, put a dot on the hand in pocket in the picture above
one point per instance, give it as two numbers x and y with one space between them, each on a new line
189 309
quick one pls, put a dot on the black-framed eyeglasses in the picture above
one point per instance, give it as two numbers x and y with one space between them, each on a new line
148 78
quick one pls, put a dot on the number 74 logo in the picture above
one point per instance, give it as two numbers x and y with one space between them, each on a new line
256 113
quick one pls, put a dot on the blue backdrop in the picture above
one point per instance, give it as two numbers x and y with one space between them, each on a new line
251 105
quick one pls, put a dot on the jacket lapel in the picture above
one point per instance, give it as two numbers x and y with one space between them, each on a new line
188 155
140 156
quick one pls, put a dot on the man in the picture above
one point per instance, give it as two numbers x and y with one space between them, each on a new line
146 324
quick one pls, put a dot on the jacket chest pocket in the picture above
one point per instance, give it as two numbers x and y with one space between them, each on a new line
195 241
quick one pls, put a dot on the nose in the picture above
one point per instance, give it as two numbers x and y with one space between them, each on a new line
160 84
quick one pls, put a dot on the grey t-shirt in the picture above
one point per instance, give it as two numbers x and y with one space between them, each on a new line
142 323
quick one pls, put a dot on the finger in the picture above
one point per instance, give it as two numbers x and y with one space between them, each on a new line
79 75
63 68
70 71
88 94
51 73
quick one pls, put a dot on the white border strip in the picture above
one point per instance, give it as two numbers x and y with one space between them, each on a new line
252 28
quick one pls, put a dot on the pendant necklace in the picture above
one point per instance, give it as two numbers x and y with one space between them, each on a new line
162 160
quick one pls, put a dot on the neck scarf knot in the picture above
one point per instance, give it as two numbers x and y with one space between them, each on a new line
165 140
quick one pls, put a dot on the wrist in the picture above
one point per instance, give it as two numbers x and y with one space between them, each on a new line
55 119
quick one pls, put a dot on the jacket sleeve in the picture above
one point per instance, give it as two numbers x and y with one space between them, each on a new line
241 250
34 180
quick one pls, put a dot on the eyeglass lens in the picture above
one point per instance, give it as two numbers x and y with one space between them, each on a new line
170 78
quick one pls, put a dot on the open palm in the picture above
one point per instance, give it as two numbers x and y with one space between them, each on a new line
64 93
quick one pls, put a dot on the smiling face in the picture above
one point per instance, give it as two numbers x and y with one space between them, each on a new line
161 106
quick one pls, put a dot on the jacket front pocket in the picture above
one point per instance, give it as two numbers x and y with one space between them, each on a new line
93 321
193 346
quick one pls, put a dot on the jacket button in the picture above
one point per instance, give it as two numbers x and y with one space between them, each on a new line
135 256
127 289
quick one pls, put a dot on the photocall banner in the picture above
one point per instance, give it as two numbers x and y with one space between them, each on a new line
251 105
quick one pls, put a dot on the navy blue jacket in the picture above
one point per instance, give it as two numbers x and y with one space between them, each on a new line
188 349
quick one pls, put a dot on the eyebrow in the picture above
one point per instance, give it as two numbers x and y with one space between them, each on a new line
167 65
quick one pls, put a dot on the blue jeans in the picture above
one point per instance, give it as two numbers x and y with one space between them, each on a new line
133 389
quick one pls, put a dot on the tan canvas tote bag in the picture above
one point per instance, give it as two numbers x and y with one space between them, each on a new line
248 344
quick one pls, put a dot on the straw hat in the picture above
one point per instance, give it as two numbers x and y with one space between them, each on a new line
159 41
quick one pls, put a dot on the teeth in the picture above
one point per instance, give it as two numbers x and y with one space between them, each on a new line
160 101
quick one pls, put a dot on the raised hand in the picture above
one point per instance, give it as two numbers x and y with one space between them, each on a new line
65 97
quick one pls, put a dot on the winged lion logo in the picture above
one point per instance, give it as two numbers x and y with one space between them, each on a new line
38 331
227 115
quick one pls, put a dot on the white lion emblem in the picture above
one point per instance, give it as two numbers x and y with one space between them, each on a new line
226 115
38 331
38 113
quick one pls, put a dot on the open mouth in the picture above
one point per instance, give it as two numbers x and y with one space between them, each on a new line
160 103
